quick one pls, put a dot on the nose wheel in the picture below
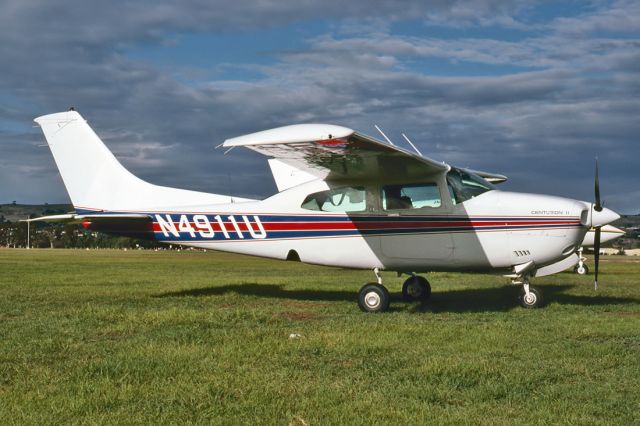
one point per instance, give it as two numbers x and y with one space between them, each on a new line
581 268
531 297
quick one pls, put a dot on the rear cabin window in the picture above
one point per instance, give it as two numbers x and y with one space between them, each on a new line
411 196
344 200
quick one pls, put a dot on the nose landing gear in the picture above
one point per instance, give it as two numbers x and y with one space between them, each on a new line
581 268
531 297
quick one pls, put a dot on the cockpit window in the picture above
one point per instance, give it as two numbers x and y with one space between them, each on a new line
346 199
411 196
464 185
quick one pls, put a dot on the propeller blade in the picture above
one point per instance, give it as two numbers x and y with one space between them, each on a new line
598 205
596 255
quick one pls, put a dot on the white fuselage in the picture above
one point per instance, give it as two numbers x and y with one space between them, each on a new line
491 232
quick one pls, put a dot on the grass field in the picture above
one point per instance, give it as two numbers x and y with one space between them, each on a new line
191 337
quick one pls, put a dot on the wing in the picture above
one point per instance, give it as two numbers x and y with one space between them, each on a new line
334 153
489 177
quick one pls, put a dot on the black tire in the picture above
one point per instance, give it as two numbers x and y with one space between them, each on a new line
584 270
536 299
416 288
373 297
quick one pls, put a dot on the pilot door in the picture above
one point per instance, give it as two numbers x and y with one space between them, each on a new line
416 229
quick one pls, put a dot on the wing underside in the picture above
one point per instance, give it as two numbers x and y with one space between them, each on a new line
337 153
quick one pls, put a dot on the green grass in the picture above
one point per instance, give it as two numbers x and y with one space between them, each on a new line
191 337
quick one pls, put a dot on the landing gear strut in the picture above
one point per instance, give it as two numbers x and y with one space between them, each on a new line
581 268
531 297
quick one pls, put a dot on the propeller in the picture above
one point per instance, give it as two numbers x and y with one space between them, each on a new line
597 207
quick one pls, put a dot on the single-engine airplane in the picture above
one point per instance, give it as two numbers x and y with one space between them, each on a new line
345 199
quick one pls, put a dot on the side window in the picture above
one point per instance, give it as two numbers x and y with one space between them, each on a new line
347 199
411 196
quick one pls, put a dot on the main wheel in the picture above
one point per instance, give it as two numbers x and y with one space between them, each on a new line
534 300
416 288
581 270
373 297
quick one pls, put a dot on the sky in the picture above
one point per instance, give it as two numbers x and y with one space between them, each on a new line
532 90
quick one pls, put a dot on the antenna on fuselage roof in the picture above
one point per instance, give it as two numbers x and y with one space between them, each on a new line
411 143
383 135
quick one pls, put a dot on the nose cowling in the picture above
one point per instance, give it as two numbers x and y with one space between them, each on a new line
602 217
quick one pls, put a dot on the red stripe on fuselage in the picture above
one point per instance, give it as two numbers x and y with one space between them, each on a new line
371 225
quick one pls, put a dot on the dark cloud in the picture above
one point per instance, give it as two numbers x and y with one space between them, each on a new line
571 94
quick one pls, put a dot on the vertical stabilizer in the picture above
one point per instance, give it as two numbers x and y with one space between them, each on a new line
286 176
95 179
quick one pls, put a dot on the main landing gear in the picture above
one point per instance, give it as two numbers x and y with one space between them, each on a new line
416 288
374 297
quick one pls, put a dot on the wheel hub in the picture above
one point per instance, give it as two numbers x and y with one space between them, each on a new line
530 298
372 299
414 289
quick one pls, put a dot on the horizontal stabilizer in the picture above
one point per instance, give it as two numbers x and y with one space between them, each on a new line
79 218
54 218
127 225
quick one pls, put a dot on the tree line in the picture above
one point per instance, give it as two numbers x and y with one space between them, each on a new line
60 235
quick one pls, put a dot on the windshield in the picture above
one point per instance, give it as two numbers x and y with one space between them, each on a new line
464 185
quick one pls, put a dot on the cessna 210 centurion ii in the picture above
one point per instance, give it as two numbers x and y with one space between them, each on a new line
345 199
